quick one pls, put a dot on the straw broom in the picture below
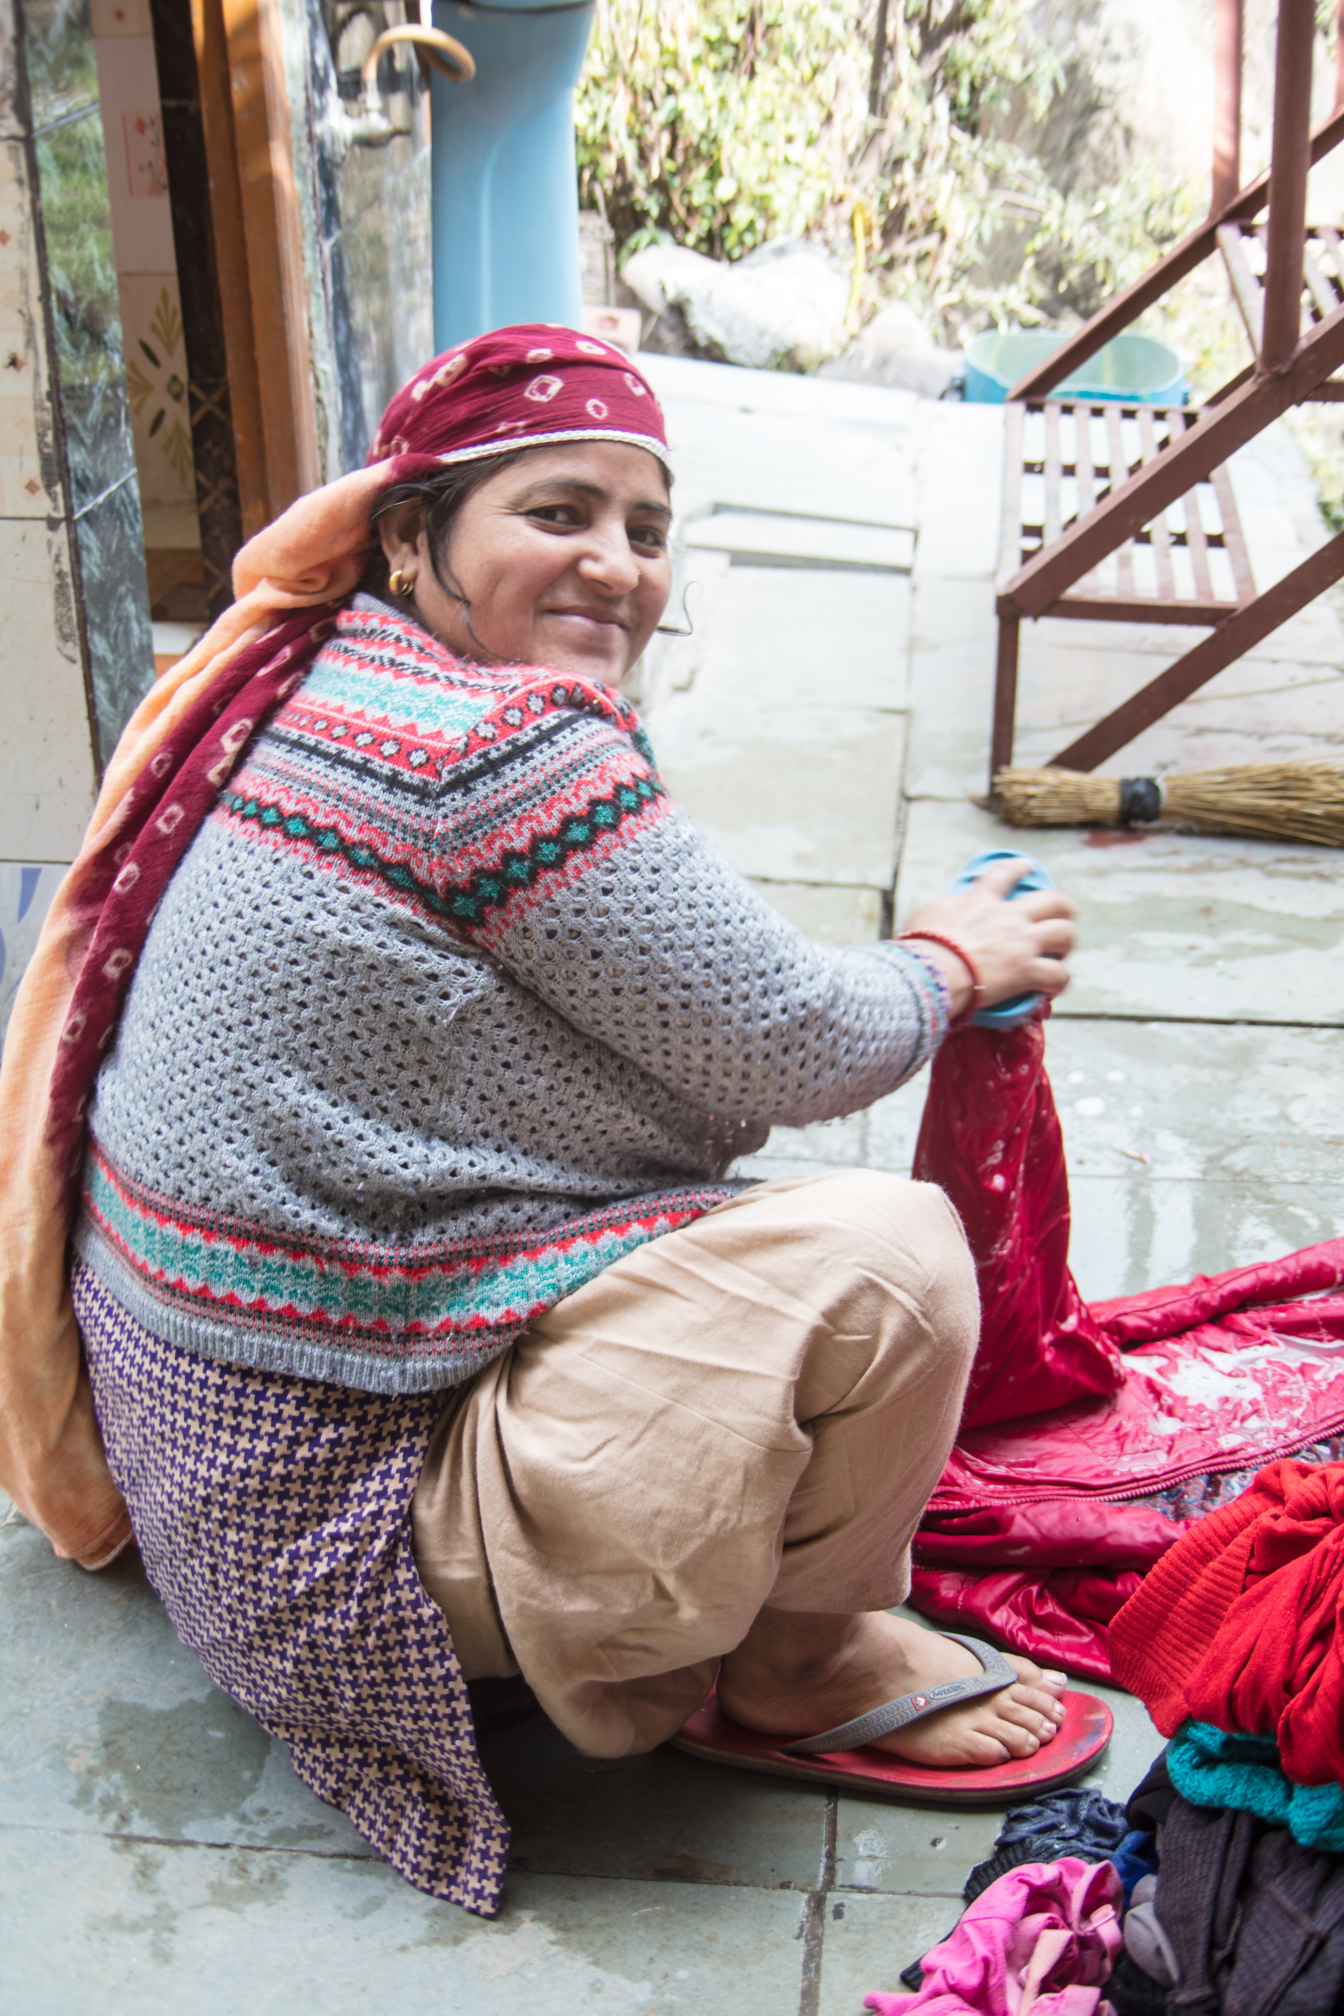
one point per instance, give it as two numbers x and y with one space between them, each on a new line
1260 801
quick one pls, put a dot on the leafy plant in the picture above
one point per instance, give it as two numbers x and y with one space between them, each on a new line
720 123
723 123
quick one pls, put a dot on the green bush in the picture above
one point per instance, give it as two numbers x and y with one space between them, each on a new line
723 123
715 122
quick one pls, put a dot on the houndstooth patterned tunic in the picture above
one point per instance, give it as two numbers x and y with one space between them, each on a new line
272 1515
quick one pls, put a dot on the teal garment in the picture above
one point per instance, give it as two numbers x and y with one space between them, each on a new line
1209 1767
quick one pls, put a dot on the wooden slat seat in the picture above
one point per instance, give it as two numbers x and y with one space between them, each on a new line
1127 514
1063 458
1245 250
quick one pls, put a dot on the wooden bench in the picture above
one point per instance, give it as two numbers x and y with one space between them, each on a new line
1063 458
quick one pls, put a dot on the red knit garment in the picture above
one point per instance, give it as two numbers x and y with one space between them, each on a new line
1236 1625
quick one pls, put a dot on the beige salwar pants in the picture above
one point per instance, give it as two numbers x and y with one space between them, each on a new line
754 1409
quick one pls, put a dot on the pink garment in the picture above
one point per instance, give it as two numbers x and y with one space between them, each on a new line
1041 1941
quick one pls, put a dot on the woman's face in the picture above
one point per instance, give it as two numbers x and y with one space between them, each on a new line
562 559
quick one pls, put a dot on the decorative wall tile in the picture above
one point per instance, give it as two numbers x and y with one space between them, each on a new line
119 17
26 890
156 389
58 49
46 763
137 171
116 609
29 481
82 280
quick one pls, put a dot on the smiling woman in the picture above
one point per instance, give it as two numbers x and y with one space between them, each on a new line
548 556
404 1033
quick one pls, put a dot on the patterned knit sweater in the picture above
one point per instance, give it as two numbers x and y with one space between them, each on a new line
446 1008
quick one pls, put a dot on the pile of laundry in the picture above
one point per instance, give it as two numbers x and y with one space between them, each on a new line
1094 1436
1219 1886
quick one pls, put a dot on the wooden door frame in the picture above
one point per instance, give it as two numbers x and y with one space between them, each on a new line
259 247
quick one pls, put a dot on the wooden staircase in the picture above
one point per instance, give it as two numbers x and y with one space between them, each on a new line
1126 513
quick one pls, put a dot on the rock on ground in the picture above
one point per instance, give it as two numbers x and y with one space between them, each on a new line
783 306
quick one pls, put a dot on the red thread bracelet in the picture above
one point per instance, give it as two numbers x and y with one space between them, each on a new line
951 945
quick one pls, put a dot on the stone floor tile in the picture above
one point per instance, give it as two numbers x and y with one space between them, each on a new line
1239 717
665 1817
1129 1234
925 1851
1135 1742
1219 1101
1169 925
869 1940
779 1169
893 1127
1063 691
155 1928
946 612
806 796
112 1727
1185 741
829 914
773 638
1314 635
830 1143
814 468
1056 669
960 451
1243 1126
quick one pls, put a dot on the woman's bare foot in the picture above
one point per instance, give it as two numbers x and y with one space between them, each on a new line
797 1673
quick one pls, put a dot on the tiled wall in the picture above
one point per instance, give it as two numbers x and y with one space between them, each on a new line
103 504
146 268
75 649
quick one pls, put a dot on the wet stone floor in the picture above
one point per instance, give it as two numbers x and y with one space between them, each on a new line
825 722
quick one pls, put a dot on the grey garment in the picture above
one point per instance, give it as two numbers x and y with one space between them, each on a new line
1145 1940
304 1055
1255 1922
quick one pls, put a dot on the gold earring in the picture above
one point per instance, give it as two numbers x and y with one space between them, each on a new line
401 584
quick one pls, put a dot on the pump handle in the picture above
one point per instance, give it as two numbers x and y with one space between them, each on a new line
434 51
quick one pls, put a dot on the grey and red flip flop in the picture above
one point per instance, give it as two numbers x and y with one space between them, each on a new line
843 1757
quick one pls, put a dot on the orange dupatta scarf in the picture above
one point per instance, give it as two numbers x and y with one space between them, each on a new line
51 1454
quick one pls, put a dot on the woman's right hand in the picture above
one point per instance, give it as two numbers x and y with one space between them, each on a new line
1018 947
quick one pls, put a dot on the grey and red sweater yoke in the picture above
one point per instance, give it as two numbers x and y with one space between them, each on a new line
447 1007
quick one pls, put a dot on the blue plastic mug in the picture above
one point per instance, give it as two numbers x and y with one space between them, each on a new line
1006 1014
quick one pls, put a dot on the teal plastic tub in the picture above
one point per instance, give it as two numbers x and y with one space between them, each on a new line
1135 369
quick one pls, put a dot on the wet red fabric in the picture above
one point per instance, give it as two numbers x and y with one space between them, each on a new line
991 1138
1072 1408
1239 1624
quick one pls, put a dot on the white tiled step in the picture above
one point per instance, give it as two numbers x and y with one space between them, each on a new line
814 542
